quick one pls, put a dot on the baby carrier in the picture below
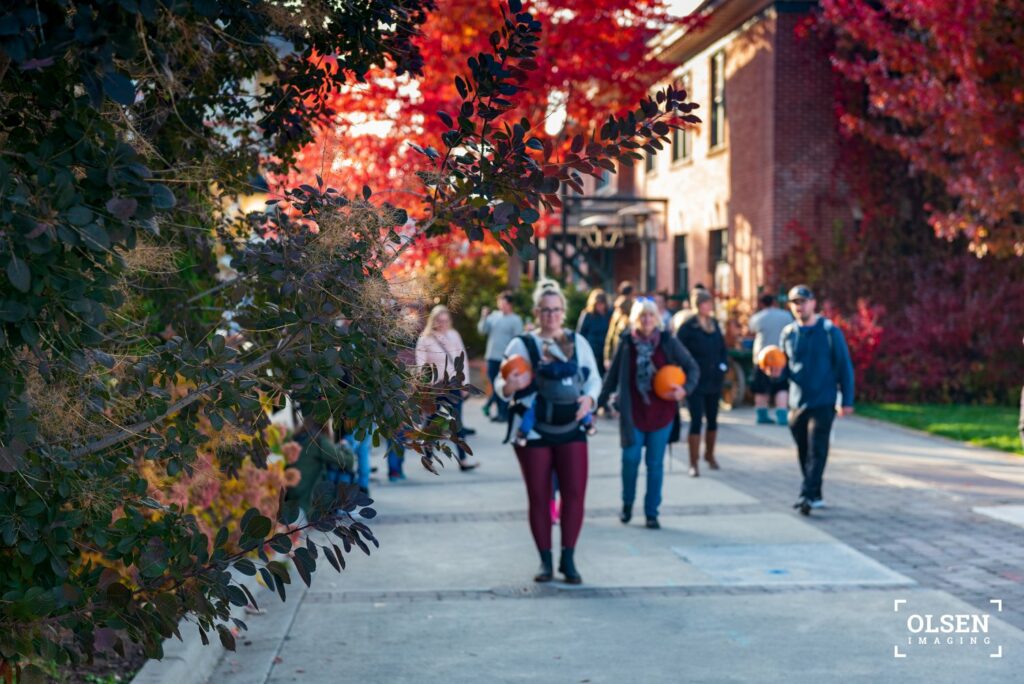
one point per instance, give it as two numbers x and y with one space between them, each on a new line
557 386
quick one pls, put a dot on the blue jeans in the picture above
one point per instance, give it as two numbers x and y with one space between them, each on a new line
396 454
362 449
654 444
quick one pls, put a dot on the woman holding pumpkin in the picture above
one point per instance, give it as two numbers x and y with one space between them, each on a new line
556 444
645 417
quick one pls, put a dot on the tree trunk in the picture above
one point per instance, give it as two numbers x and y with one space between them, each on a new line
515 270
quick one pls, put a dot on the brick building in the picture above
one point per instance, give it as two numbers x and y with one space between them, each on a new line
714 207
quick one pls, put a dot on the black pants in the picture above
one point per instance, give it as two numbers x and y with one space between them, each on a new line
493 368
701 405
811 428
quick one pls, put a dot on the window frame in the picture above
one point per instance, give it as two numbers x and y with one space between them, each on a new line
717 100
682 138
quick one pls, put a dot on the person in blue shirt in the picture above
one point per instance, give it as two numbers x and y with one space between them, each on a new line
819 365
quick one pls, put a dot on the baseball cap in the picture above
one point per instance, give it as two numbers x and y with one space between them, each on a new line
800 292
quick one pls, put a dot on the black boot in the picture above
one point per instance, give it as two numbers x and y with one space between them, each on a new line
544 572
567 567
627 513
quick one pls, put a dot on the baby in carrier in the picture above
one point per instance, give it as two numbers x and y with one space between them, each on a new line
553 371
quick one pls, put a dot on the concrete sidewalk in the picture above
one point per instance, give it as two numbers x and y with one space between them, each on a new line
734 588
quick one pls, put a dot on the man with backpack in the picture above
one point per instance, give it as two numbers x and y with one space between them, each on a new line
819 364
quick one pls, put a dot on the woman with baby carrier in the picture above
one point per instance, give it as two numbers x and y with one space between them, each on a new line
558 393
645 418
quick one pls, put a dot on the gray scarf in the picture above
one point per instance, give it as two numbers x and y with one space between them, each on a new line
645 369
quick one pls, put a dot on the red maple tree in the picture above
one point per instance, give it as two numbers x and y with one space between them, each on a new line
591 62
944 90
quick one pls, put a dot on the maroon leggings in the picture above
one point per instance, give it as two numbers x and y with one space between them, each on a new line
570 462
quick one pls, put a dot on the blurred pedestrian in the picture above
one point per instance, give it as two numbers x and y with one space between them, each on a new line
646 419
593 323
619 321
682 315
661 299
767 325
500 327
819 364
702 337
318 453
555 444
440 346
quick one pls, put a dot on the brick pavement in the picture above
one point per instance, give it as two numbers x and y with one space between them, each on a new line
926 534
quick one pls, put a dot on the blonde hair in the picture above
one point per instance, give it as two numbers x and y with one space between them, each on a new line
596 295
642 306
428 329
546 287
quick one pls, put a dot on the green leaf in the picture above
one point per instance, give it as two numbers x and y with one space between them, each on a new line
122 208
236 596
79 215
281 543
18 274
258 528
227 639
118 595
162 196
119 88
96 237
153 560
245 566
528 251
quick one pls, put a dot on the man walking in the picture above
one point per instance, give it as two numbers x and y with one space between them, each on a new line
500 327
767 325
819 363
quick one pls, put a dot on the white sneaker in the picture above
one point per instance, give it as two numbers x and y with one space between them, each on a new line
818 503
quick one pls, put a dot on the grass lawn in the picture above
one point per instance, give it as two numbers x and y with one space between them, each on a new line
989 426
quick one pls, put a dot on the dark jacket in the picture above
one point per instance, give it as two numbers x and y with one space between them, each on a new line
819 362
594 329
621 373
708 350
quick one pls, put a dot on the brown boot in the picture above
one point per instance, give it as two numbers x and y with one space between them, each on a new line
694 443
709 448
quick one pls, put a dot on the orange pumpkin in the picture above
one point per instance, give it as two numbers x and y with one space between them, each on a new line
771 358
514 364
666 379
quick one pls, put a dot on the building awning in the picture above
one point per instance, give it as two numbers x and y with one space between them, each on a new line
600 220
639 209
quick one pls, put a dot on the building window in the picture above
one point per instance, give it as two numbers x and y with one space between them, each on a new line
718 247
682 267
604 181
681 137
718 99
650 162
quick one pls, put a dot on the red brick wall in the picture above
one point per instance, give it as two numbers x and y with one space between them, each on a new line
806 143
777 165
749 103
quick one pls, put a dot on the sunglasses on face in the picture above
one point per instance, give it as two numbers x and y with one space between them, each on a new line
546 310
797 302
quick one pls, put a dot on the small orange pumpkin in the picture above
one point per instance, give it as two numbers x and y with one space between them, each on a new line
771 358
666 378
514 364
